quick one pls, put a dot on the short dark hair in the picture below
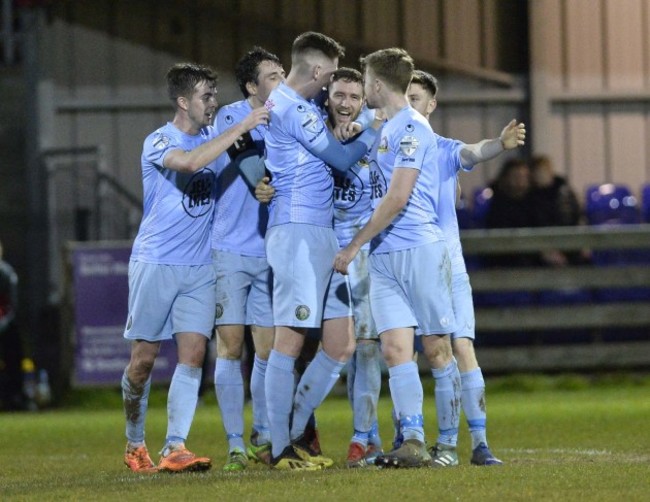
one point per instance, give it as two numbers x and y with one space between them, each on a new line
510 165
313 41
247 68
426 80
395 66
348 75
182 78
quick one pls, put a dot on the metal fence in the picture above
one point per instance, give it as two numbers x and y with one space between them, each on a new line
84 203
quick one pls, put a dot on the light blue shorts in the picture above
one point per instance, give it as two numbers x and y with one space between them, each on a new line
169 299
463 306
338 302
364 326
243 289
412 288
302 259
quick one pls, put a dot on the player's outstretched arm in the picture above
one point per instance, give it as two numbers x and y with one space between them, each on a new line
193 160
512 136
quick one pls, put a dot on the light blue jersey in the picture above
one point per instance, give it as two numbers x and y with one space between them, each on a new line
407 141
449 164
352 204
240 222
299 147
178 207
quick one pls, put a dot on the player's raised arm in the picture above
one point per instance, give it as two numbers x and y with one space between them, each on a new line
512 136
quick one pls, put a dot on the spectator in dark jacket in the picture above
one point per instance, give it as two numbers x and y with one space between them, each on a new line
554 203
511 207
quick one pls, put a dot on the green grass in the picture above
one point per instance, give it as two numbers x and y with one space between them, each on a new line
562 438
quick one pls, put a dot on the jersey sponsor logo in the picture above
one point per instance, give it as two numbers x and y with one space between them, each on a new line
383 145
198 195
302 312
160 141
408 145
406 160
377 182
348 190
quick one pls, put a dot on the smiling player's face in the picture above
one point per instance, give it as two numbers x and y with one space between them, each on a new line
344 101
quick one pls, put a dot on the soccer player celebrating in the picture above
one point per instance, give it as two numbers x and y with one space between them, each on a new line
455 155
171 278
243 274
351 211
410 273
352 208
301 244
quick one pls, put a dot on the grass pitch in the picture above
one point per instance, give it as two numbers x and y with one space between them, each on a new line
566 438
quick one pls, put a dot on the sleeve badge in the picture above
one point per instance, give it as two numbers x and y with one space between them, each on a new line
408 145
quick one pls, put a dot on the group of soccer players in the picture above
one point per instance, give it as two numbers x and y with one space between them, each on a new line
359 240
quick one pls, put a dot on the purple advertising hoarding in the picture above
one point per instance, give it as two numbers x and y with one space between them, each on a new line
101 290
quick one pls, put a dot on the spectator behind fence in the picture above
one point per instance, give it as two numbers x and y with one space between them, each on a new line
554 204
511 207
554 201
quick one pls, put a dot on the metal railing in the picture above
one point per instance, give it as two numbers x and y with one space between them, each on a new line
600 319
84 203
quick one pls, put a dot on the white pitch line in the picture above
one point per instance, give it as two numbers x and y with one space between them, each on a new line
560 451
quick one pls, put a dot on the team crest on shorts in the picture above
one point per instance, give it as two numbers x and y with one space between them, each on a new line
302 312
218 311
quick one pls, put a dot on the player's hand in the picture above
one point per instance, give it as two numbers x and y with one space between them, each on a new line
259 116
513 135
343 258
344 132
263 191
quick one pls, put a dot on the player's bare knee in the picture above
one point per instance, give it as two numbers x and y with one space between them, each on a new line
342 350
139 369
232 352
263 341
193 359
463 350
395 355
437 350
